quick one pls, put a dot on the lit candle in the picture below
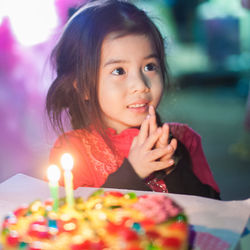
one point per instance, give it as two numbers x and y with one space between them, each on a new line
67 164
54 174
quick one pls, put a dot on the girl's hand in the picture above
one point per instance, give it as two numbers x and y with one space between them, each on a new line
163 140
143 156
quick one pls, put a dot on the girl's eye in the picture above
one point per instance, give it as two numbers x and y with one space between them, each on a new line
150 67
118 71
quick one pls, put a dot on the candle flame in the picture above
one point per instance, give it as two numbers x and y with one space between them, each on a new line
67 161
53 173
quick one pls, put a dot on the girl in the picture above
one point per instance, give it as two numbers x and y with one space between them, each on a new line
111 74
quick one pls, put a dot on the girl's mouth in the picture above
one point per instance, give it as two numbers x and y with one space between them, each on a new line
138 107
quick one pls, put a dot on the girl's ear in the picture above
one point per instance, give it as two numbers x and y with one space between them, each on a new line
85 96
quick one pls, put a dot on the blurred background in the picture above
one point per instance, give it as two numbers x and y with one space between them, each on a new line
208 52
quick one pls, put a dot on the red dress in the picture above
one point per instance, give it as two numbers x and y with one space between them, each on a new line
94 161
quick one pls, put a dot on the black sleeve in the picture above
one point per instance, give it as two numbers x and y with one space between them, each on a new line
182 179
125 178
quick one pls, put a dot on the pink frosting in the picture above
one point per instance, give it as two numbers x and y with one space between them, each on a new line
157 207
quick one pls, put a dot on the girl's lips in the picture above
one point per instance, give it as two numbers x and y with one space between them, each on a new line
138 107
139 103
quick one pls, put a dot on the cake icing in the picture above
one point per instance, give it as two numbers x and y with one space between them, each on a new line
106 220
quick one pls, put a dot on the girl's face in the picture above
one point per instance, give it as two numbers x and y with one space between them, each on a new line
130 80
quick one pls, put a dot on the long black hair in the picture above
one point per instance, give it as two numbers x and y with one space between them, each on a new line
76 59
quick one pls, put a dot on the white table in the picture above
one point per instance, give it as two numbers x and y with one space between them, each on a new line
223 219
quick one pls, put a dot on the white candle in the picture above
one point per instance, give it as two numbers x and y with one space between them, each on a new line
67 164
53 173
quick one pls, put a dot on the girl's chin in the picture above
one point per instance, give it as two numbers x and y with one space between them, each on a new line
122 128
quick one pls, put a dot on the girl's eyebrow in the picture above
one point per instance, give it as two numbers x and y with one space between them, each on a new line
152 56
116 61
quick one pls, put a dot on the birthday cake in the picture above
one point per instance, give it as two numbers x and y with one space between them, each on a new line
106 220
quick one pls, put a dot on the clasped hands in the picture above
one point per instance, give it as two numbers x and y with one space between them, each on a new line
150 150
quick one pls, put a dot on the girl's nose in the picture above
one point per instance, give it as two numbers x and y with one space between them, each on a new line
139 83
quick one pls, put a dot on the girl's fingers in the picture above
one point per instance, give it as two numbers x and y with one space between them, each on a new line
171 150
134 142
157 153
143 133
165 153
152 120
158 165
173 143
152 139
151 110
163 141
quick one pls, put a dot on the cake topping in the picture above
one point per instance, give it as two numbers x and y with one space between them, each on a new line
106 220
158 207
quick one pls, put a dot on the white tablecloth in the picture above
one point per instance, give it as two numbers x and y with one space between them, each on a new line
223 219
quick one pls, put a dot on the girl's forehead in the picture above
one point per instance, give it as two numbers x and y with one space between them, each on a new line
127 48
125 38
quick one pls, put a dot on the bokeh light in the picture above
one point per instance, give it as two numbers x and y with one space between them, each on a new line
32 21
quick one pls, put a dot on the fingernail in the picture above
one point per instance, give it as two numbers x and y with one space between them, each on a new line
169 148
151 109
147 117
171 161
